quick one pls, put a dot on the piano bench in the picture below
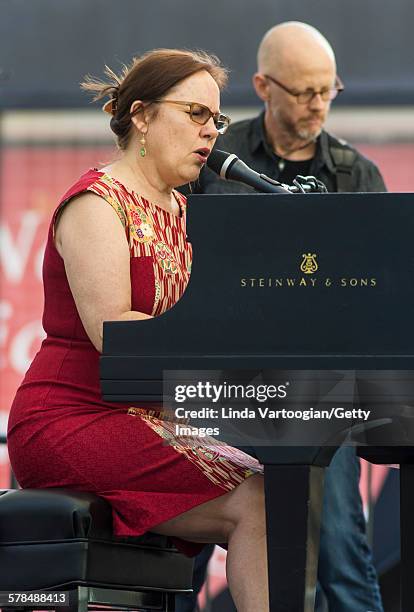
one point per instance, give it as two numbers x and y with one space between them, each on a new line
62 540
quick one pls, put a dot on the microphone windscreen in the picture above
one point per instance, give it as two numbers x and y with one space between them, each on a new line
216 160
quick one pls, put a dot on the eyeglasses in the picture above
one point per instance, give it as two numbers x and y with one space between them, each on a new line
304 97
201 114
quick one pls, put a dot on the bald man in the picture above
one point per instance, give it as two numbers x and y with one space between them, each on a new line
297 80
295 61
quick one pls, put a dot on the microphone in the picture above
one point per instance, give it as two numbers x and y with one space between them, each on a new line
230 167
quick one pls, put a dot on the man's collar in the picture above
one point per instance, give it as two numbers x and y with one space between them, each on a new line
258 138
257 134
325 153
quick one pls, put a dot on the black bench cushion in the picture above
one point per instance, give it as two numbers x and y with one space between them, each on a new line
37 515
55 538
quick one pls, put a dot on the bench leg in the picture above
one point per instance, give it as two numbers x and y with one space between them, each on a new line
78 601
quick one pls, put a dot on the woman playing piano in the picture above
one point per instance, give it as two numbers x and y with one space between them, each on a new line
117 250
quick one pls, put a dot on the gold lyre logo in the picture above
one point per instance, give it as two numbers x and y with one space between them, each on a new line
309 264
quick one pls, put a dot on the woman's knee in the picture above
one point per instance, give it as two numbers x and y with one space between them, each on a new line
243 507
249 501
217 519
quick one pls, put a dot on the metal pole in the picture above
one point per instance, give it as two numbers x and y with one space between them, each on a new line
13 482
370 507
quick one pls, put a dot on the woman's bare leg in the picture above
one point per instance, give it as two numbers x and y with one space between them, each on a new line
237 518
247 556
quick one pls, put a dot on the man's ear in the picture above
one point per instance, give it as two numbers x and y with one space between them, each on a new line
261 86
138 116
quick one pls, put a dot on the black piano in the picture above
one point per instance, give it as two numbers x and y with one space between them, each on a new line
317 290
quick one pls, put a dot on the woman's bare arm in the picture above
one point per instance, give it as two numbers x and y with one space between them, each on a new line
91 240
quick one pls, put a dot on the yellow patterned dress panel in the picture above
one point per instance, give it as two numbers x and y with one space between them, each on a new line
154 233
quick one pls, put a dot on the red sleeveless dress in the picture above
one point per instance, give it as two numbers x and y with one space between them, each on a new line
61 433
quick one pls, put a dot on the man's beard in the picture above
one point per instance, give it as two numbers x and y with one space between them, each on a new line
306 134
300 130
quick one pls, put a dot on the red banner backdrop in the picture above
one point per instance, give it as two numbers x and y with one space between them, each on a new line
32 181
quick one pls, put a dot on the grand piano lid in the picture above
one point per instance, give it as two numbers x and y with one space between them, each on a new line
325 277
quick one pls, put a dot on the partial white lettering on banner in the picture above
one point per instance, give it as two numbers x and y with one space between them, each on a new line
21 347
6 311
15 253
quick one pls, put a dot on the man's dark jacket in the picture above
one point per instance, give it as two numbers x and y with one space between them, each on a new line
333 156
